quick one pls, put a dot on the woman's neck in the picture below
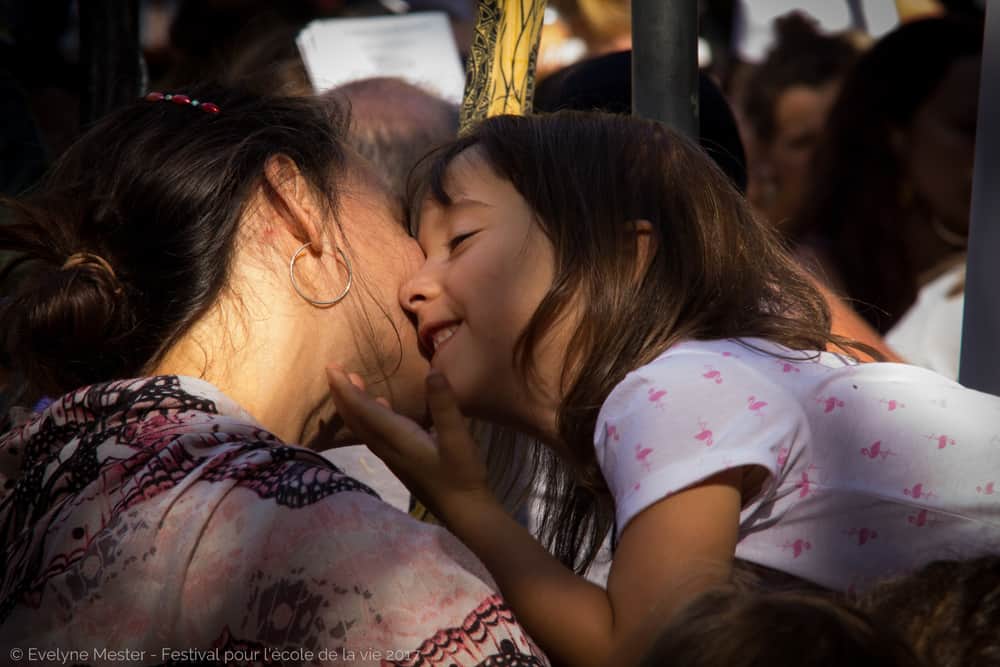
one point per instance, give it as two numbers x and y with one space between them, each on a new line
262 366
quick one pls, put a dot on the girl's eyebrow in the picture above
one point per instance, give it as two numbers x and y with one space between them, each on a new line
468 201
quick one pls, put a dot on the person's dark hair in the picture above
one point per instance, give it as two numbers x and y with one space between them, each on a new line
727 628
949 611
717 272
801 56
604 83
157 190
256 51
853 207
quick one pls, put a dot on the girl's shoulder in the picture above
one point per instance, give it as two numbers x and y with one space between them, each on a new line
748 353
704 373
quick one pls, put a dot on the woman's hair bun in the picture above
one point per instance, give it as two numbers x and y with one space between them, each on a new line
63 323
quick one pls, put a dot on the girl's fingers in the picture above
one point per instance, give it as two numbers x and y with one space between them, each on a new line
388 434
449 422
357 381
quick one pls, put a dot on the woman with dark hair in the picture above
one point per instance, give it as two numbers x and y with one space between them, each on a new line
184 268
888 206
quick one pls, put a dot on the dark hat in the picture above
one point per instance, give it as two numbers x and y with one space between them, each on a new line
604 83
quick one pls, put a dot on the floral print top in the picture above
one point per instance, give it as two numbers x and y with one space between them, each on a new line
153 521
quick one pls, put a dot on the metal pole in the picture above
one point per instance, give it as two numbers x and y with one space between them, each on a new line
110 58
665 62
980 362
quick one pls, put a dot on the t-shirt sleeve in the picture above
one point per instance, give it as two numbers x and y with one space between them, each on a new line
688 416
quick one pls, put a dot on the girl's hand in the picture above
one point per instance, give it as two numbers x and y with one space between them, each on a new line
446 473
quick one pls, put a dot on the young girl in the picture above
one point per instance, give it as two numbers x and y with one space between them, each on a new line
594 281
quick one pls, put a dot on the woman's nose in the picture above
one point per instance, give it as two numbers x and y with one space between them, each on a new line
418 289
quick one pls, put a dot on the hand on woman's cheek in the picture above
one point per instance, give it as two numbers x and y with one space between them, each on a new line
445 471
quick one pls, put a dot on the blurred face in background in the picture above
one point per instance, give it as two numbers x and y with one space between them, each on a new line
936 149
799 117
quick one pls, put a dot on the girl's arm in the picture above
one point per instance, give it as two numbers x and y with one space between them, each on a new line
668 553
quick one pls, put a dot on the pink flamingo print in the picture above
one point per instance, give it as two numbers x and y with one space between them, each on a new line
830 403
713 374
755 406
942 440
805 486
787 367
705 435
985 489
874 451
729 354
892 404
613 432
782 456
919 519
656 396
642 455
863 535
798 547
917 492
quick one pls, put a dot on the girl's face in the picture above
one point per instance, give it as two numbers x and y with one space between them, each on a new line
488 267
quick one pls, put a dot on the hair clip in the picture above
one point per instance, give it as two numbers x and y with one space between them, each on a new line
157 96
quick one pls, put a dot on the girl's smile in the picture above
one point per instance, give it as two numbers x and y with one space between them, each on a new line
488 267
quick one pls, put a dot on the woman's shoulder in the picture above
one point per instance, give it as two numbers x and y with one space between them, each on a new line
213 514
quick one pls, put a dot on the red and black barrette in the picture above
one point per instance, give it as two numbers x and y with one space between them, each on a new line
157 96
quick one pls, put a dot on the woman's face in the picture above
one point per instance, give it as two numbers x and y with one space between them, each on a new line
488 267
937 151
799 115
383 256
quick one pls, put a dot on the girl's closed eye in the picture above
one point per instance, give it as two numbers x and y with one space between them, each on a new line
456 241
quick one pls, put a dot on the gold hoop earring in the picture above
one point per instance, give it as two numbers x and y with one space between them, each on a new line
317 302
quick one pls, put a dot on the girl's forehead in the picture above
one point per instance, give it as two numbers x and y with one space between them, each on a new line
465 177
469 170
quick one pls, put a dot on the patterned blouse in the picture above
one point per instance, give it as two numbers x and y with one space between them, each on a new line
153 521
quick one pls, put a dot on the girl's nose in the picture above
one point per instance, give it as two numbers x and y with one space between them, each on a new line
418 289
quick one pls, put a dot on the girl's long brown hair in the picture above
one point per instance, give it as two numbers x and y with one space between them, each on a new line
716 273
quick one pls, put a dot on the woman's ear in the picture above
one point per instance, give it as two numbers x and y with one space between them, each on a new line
294 200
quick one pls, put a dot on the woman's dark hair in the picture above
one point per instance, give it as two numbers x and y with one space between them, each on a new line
727 628
853 206
157 190
949 611
801 56
717 272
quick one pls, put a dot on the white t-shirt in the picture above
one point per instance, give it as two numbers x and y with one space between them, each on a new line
872 469
930 333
